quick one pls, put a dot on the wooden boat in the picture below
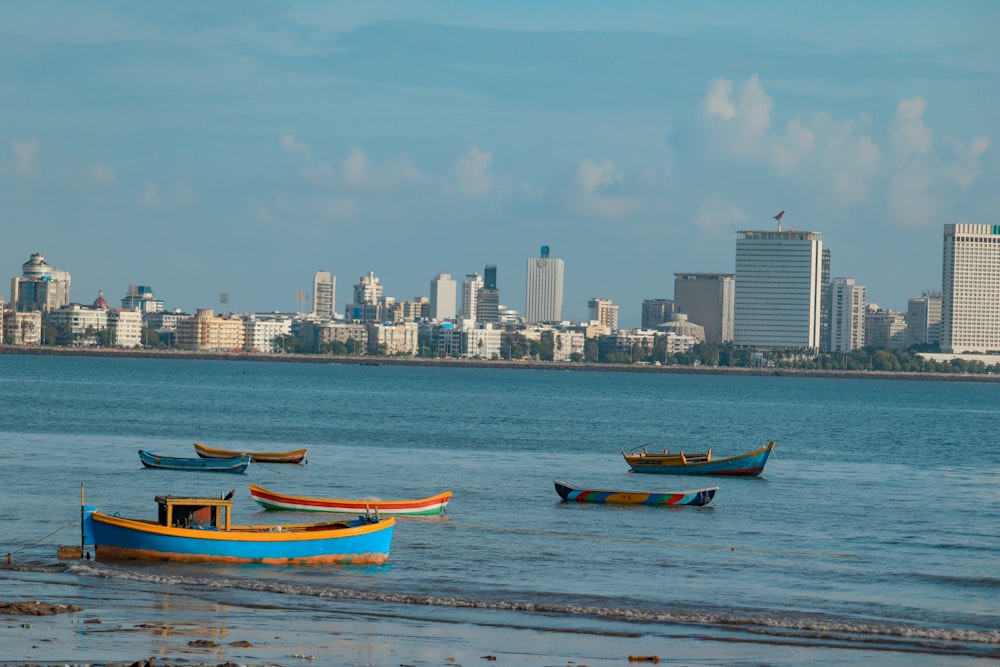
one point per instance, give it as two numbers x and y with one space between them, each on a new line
236 464
294 456
569 492
198 530
744 465
272 500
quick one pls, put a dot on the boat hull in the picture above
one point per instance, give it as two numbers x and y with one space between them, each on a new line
271 500
744 465
236 464
294 456
349 542
571 493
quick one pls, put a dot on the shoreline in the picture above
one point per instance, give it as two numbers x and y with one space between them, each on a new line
498 363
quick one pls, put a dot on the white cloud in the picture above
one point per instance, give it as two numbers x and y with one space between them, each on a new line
290 145
719 218
743 118
153 199
593 199
361 174
101 174
717 101
966 169
471 173
909 136
26 163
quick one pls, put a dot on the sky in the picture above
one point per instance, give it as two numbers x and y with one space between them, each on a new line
239 147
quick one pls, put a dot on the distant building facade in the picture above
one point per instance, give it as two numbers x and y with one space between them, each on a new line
205 331
140 298
923 320
707 299
656 312
470 295
885 329
849 307
970 295
324 295
443 298
22 328
40 287
544 298
778 285
604 312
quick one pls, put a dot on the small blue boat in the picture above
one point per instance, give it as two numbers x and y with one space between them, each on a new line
236 464
199 530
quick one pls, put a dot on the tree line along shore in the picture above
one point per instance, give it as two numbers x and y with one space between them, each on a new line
935 373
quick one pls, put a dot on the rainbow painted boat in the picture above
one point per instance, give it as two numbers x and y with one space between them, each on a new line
272 500
571 493
198 530
744 465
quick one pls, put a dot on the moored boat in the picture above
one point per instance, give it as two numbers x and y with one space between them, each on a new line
196 530
572 493
272 500
744 465
293 456
236 464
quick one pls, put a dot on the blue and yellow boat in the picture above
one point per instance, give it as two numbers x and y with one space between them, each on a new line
572 493
198 530
679 463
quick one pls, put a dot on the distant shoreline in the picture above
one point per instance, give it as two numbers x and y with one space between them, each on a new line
481 363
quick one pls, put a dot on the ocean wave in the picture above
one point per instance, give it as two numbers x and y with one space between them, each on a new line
804 626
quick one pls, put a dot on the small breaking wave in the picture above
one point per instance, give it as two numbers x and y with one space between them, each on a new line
800 627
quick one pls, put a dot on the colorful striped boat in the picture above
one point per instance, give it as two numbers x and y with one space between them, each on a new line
744 465
272 500
198 530
235 464
571 493
293 456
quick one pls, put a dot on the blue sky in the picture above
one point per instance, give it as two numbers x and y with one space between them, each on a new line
239 147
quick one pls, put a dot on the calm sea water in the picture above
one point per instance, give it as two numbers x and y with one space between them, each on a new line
872 534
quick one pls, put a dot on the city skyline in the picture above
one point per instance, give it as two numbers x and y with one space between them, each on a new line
240 149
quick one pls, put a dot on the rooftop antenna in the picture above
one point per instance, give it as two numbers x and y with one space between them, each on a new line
301 299
224 300
778 218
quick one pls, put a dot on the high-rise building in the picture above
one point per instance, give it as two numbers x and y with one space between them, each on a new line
778 283
368 304
488 300
923 320
655 312
40 287
470 295
604 312
706 299
324 295
544 299
849 306
970 295
140 297
368 290
443 297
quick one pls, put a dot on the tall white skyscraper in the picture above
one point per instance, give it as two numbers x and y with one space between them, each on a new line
443 298
848 309
544 288
324 295
777 303
970 295
470 295
707 299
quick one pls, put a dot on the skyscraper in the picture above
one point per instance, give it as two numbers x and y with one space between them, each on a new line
488 301
544 299
970 296
656 311
470 295
324 295
849 307
923 319
443 298
707 299
778 283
